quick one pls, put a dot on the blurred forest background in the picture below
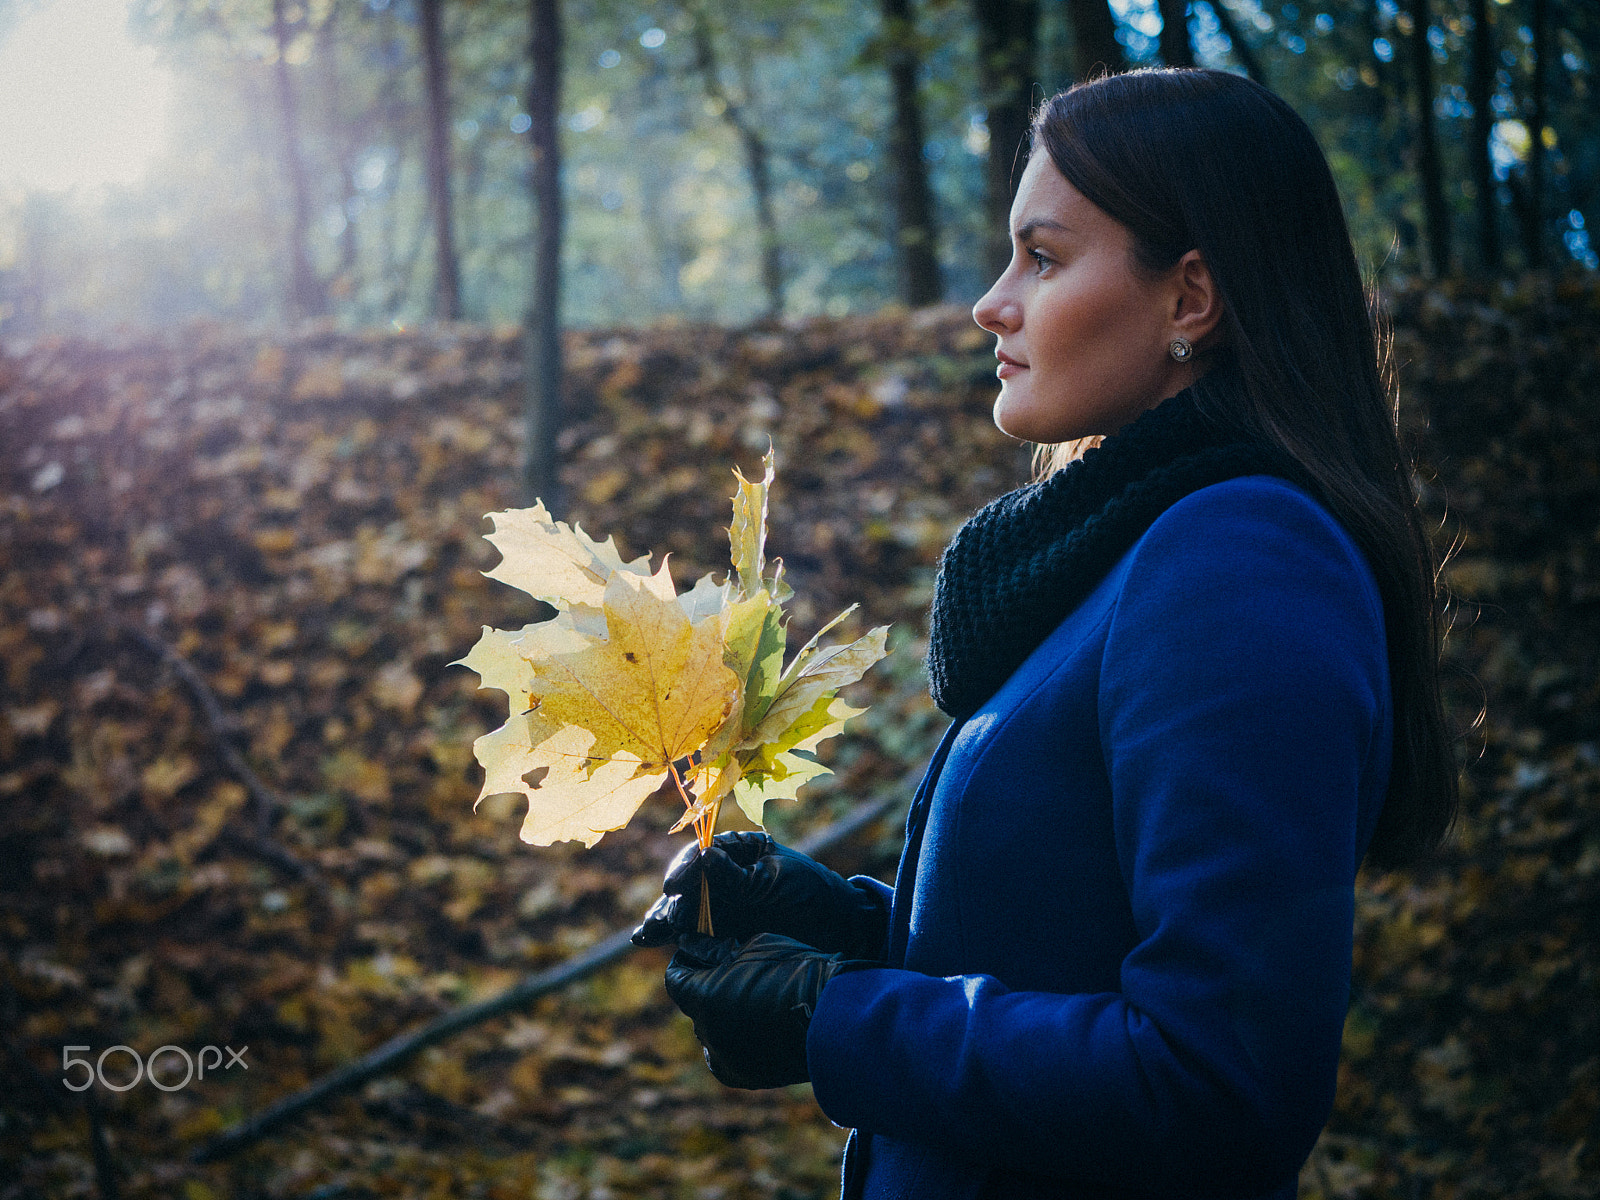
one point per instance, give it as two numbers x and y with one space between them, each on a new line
393 264
377 161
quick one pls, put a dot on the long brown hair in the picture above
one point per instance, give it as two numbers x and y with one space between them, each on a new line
1206 160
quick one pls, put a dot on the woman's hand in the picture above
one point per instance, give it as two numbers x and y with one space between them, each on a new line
751 1003
758 886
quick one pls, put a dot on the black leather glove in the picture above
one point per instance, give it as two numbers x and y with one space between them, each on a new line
758 886
751 1003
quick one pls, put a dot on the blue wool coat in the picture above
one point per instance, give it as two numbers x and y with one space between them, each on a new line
1119 950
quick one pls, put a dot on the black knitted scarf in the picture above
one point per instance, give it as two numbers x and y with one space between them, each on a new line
1023 562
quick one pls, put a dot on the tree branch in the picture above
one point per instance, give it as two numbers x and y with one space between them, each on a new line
757 155
397 1050
264 802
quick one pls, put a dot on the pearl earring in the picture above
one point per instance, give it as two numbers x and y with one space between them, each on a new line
1182 349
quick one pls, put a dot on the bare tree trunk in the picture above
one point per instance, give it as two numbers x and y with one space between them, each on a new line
469 246
1533 211
1241 44
305 289
757 160
447 275
1480 87
1007 31
1429 174
656 212
1383 110
1094 38
410 279
1176 50
542 353
339 134
1375 99
394 264
758 164
917 234
393 268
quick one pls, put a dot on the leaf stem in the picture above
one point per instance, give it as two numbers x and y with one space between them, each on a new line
705 827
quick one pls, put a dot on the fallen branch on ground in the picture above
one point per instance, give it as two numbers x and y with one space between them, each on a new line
400 1048
264 802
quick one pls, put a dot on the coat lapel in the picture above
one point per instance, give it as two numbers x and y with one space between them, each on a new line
906 876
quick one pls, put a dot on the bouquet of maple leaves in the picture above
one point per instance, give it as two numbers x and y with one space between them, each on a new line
632 684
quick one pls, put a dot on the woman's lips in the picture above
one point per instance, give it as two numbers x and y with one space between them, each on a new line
1008 366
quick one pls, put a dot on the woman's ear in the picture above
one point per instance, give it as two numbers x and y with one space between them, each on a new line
1196 302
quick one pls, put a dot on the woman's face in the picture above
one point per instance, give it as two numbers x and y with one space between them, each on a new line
1083 339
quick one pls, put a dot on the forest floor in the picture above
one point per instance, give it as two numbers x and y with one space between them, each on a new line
295 522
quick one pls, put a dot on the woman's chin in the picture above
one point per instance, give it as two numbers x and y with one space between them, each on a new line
1015 420
1011 415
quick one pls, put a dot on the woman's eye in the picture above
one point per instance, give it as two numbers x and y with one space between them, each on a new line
1040 259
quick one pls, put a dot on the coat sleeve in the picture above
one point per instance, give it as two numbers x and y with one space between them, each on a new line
1244 715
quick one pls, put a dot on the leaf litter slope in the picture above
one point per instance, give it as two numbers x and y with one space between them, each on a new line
315 551
292 519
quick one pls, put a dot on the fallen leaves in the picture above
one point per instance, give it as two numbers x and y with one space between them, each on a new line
129 918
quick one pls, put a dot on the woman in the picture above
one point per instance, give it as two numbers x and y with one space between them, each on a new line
1193 683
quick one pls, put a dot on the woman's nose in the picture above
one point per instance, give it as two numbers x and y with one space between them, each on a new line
996 311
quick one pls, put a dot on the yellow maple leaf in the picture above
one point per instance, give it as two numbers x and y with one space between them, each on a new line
498 661
572 794
500 657
506 756
630 680
558 563
656 688
583 797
